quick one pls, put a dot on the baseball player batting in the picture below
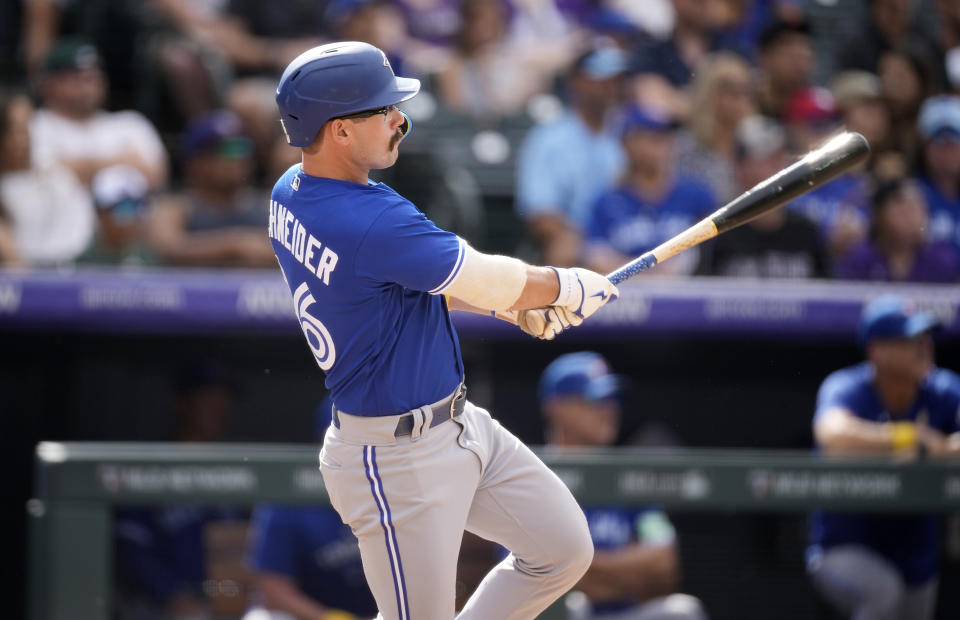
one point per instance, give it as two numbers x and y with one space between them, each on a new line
409 463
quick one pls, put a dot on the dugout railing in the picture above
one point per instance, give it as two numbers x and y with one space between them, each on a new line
79 484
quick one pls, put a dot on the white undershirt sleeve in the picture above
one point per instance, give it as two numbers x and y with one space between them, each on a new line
487 281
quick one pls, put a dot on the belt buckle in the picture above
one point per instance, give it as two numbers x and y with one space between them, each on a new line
460 395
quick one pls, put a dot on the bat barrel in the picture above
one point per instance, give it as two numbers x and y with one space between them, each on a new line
837 156
817 167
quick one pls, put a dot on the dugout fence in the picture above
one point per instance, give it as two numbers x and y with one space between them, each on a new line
79 484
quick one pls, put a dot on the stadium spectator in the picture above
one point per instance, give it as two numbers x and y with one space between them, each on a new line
839 208
860 100
434 22
905 77
899 248
72 127
563 166
114 27
786 63
722 96
663 68
635 571
183 65
164 554
895 403
261 38
218 219
652 203
488 75
779 244
120 195
306 562
939 127
743 22
377 22
947 38
890 25
46 215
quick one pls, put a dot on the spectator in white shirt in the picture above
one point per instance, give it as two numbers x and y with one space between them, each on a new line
73 128
46 215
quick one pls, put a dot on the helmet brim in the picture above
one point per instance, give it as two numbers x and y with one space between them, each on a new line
402 90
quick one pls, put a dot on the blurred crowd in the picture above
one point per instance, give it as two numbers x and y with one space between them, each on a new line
145 132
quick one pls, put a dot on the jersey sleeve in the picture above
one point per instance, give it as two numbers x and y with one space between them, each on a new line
273 546
837 390
404 247
946 385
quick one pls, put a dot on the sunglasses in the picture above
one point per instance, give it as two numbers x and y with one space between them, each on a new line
385 110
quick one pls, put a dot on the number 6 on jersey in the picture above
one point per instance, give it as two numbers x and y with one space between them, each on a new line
321 344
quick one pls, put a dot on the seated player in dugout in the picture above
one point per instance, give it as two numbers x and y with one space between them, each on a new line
305 561
409 462
635 572
895 403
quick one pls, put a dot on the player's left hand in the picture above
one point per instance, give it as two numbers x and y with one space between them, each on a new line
582 292
542 323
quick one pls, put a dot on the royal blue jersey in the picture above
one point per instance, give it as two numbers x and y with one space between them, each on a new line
909 542
944 214
366 270
615 527
162 550
313 547
845 197
632 224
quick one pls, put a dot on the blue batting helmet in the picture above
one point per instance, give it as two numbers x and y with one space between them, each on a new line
336 79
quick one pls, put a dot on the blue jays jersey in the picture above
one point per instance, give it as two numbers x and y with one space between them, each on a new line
614 527
908 542
632 225
846 196
313 547
944 214
366 270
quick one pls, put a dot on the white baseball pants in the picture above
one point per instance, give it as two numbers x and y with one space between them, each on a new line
409 499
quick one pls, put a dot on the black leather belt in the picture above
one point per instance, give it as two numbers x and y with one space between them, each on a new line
447 409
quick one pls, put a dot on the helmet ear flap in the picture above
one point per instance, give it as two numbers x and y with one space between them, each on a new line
406 127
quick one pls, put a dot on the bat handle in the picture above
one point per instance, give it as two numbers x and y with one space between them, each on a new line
642 263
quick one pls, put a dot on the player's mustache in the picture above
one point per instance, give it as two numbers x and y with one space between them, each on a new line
396 139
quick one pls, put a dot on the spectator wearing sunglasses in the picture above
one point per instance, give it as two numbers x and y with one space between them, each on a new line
218 218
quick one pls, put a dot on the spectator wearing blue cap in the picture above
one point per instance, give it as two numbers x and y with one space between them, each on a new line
565 165
897 402
652 203
306 562
218 219
939 127
635 571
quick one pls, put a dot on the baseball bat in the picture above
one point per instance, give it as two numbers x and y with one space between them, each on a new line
835 157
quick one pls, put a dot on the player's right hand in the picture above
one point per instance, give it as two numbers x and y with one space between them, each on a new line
542 323
582 292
